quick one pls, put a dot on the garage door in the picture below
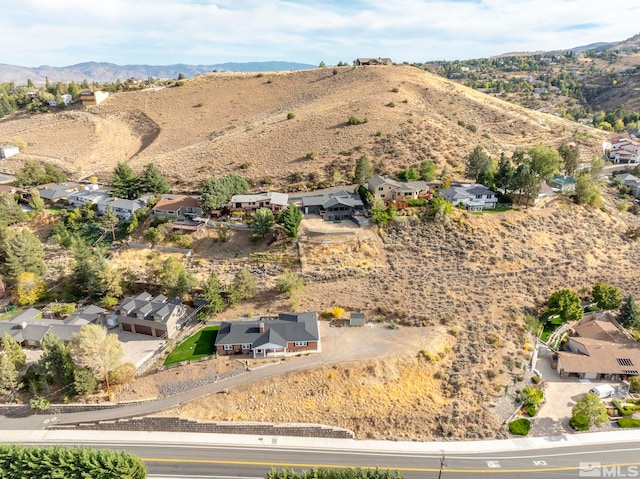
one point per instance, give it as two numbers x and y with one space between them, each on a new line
159 333
143 330
126 327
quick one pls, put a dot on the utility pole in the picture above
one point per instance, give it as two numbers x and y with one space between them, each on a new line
443 464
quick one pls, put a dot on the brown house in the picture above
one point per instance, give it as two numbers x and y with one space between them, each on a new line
289 333
598 350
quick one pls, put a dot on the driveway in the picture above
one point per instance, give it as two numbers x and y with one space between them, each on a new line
561 395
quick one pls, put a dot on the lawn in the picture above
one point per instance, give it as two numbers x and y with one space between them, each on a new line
550 325
198 346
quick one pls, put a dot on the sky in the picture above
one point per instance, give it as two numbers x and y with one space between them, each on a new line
207 32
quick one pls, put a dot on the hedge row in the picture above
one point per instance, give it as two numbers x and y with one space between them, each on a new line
628 422
78 462
625 410
349 473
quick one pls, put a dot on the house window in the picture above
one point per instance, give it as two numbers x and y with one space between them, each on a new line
478 197
298 344
380 188
228 347
246 346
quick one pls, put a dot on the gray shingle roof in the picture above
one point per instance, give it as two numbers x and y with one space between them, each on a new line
288 327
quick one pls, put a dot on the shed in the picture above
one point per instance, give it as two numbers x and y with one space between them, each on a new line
8 150
356 319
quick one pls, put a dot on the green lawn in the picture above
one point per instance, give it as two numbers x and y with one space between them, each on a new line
550 325
197 346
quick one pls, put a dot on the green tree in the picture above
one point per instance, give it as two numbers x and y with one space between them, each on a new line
597 165
8 378
98 350
217 192
381 213
606 296
290 219
503 177
243 287
12 349
526 182
86 268
408 174
588 411
566 304
427 170
152 181
10 211
440 209
322 64
35 201
479 165
84 382
124 184
262 222
109 221
544 161
212 294
133 225
34 173
21 252
110 281
363 170
29 288
56 362
587 191
174 279
570 155
628 315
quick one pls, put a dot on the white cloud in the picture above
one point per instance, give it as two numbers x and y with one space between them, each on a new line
172 31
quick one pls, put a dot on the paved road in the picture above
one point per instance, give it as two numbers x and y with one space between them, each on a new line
175 455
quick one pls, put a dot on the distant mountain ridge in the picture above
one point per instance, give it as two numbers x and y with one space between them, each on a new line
103 72
629 43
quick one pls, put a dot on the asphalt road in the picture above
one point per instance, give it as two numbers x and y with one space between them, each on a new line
171 460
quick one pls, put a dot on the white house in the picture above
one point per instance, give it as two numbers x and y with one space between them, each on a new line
89 194
124 209
474 196
625 151
7 151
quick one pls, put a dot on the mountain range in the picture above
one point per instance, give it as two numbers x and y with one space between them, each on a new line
103 72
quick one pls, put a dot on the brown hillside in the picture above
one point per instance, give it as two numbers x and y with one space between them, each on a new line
222 122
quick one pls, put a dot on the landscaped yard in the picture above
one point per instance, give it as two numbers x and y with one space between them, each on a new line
550 325
198 346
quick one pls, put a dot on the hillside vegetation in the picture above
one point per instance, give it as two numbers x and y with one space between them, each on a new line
222 122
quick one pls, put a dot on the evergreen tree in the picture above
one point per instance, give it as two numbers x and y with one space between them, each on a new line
174 279
35 201
503 177
152 181
217 192
21 251
243 287
10 211
109 221
12 349
124 184
526 182
212 294
427 170
56 362
570 155
479 165
363 170
8 378
290 219
628 315
86 269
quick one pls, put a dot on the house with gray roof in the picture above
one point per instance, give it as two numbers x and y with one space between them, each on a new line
87 195
289 333
333 205
53 193
474 197
250 203
155 316
124 209
630 181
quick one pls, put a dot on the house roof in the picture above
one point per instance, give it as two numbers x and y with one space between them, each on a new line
320 200
175 202
275 198
455 193
340 200
120 203
57 191
608 350
626 178
288 327
157 308
378 180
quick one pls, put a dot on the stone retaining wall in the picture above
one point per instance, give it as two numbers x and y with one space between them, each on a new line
175 424
23 410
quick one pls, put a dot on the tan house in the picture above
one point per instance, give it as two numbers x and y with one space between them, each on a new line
388 189
250 203
178 207
93 98
597 349
153 316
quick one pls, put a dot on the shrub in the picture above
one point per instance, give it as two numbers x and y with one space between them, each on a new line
623 409
395 89
337 312
531 409
289 282
461 123
390 104
535 379
290 116
353 120
472 128
179 83
199 105
420 202
520 426
40 403
310 155
628 422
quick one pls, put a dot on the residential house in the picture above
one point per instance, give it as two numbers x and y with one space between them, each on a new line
625 151
337 205
289 333
66 100
372 61
7 151
180 208
153 316
124 209
93 98
388 189
562 184
631 181
250 203
597 349
474 197
87 195
30 326
52 193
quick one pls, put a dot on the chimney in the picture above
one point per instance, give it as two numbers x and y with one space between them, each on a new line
261 326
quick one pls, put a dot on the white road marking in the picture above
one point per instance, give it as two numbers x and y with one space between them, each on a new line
539 463
493 464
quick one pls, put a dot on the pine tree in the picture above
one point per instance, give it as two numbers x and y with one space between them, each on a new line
628 315
124 184
13 351
152 181
243 287
109 221
363 170
212 294
8 377
22 251
290 219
